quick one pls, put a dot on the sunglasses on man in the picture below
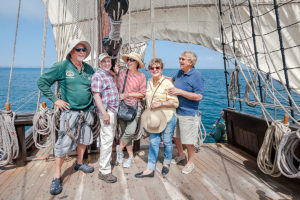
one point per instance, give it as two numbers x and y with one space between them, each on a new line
80 49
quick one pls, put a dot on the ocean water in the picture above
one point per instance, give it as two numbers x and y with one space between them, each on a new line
214 99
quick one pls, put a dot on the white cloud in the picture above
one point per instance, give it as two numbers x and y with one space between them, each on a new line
32 10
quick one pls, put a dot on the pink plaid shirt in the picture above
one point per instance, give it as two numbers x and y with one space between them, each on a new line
135 83
104 83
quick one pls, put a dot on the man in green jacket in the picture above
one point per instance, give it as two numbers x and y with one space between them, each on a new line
76 103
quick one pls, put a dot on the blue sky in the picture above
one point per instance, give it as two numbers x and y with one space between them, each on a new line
30 40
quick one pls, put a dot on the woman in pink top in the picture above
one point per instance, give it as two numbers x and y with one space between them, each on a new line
135 91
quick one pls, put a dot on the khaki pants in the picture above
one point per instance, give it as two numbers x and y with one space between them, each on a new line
107 133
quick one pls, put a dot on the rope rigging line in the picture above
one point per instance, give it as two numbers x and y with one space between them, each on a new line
258 73
273 64
23 98
265 113
28 100
44 48
14 52
9 147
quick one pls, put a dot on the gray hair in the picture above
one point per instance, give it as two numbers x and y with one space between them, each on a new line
191 56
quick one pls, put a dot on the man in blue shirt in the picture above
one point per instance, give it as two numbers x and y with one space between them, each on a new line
188 84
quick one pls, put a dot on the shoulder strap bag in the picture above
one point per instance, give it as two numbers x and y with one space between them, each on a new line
126 112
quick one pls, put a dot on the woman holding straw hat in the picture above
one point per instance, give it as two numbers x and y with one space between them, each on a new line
135 90
159 118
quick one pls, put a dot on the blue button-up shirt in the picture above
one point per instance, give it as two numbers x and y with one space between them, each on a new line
192 81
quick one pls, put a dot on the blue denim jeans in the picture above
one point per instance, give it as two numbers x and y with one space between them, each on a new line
155 139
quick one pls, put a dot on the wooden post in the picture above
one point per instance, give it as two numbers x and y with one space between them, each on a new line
7 106
286 119
21 160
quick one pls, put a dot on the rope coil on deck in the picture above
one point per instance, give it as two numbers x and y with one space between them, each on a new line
286 155
273 136
9 146
44 127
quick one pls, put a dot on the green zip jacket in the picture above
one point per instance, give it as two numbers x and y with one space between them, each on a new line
75 86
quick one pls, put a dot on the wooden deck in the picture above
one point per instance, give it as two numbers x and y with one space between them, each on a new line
222 172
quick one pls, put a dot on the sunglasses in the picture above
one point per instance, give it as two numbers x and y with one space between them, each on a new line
130 59
154 68
80 49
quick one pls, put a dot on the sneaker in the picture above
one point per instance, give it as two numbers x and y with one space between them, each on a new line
188 168
177 159
84 167
108 178
56 186
128 162
120 155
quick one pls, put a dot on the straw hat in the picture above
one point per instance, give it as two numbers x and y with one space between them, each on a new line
73 44
134 56
153 121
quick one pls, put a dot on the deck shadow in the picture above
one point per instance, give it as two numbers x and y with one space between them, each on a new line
278 184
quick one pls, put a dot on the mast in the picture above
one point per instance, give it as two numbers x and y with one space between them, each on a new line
283 55
103 26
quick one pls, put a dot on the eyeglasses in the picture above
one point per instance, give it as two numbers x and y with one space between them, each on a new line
181 58
106 61
80 49
154 68
130 59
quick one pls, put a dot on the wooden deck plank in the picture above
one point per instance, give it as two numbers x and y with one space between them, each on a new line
221 172
16 177
136 189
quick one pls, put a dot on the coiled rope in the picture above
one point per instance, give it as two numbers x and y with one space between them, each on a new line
273 136
201 134
9 147
44 127
286 155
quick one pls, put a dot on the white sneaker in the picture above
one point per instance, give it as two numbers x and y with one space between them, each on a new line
128 162
188 168
177 159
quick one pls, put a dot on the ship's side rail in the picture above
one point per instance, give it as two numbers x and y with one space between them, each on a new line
246 131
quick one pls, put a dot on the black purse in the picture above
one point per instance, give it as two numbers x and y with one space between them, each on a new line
126 112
